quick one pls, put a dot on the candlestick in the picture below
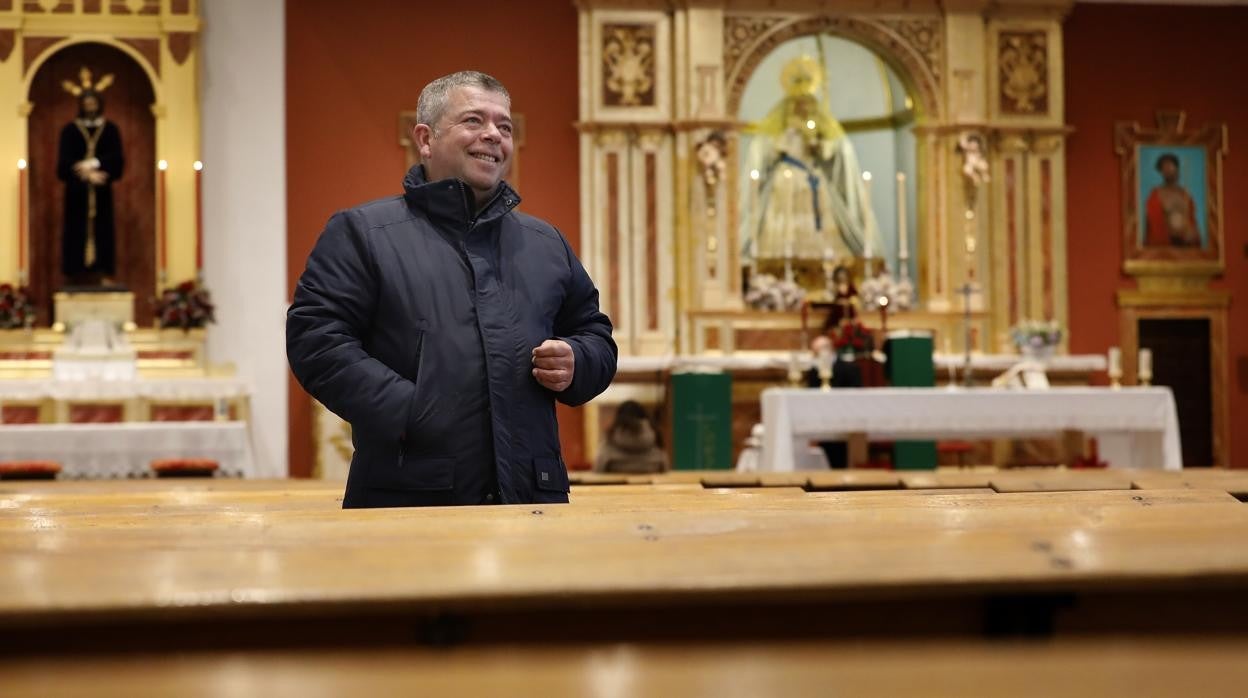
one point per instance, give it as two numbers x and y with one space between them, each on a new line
903 252
22 196
825 369
805 323
795 369
1146 366
1115 367
866 230
162 166
199 220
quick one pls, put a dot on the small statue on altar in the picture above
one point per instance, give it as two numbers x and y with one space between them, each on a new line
807 195
843 332
845 301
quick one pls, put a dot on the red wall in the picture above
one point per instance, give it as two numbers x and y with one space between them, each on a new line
1123 63
351 68
349 74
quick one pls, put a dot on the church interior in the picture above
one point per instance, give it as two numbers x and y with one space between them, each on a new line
933 312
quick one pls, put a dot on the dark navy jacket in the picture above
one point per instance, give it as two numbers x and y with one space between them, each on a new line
416 322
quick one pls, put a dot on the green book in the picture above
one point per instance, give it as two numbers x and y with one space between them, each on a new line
701 421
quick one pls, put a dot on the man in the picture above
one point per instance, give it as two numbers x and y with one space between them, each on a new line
1170 209
89 160
443 324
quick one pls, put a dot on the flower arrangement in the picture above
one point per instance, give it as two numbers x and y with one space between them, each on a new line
186 305
851 336
16 310
1036 335
766 292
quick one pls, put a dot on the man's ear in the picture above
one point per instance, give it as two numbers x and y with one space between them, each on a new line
421 136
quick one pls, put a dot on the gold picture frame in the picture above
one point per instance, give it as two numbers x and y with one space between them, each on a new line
1172 203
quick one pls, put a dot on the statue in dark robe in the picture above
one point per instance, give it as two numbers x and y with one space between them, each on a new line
89 160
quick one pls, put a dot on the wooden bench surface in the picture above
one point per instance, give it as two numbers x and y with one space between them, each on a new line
1061 481
1055 479
198 526
54 510
1139 668
1233 481
673 545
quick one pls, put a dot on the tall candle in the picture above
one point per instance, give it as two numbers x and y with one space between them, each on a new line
1115 361
902 234
866 216
21 220
1146 363
199 219
162 166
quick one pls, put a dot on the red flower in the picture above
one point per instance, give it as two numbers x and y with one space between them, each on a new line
186 305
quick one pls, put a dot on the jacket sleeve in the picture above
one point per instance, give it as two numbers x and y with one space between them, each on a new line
326 327
583 326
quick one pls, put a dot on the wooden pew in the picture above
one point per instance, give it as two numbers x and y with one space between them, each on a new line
660 557
1085 667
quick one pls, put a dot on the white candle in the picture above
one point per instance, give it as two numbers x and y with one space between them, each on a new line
902 235
1146 363
1115 361
866 214
795 368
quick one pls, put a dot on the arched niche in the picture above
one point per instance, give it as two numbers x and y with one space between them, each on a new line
128 104
869 99
897 60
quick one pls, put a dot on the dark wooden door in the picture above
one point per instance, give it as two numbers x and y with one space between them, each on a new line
1181 362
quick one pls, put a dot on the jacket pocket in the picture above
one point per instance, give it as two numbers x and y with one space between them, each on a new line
416 360
415 473
550 475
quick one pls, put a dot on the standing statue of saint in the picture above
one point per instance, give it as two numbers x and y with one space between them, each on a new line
809 201
89 159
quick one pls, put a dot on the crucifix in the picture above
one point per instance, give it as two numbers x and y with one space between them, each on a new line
966 290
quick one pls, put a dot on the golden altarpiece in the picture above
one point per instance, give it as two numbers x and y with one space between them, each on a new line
45 44
663 90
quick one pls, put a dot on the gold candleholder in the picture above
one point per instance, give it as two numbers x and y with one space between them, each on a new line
825 371
795 370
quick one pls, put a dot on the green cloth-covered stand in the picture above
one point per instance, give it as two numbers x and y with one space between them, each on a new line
910 365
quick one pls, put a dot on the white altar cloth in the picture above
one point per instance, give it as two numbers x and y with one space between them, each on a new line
1084 363
206 389
1134 427
127 449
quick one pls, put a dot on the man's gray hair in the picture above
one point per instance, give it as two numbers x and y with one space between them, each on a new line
432 100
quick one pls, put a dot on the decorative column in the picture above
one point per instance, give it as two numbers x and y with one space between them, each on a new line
1026 113
626 172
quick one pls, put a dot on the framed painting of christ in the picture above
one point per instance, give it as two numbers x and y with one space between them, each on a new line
1172 206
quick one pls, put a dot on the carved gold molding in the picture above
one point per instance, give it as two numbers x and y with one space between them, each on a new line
1023 61
915 46
628 68
740 33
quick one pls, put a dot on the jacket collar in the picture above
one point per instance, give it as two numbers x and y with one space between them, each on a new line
449 201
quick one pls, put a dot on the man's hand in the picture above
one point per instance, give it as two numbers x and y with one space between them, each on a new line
83 168
554 364
97 177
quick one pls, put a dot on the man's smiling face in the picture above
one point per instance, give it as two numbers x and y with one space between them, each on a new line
471 141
